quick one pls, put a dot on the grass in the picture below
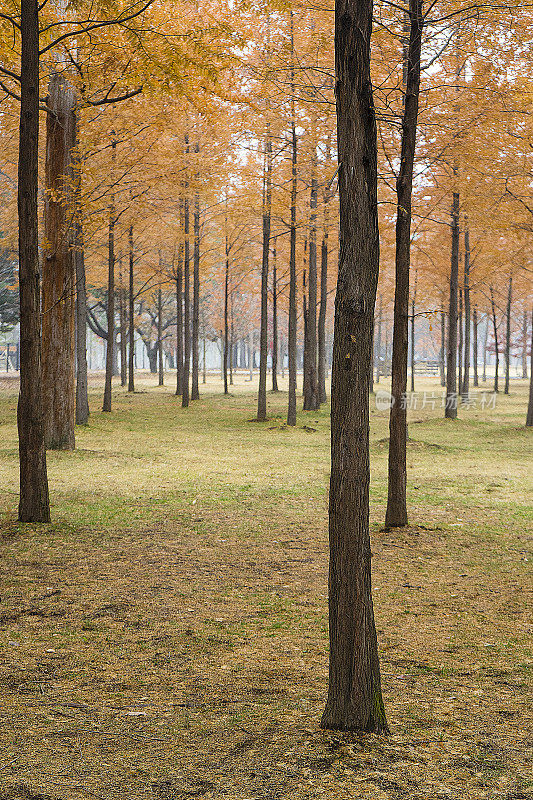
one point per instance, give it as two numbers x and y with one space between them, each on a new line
166 636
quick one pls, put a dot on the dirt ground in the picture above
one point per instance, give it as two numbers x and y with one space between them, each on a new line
179 649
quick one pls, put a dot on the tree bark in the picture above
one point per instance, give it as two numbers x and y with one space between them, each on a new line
275 345
161 374
263 334
442 359
496 346
413 361
131 315
354 697
485 344
195 390
508 336
123 334
377 348
460 343
322 397
529 418
465 389
179 327
396 514
110 296
311 385
58 286
450 409
186 297
524 346
82 401
291 411
34 505
226 318
474 345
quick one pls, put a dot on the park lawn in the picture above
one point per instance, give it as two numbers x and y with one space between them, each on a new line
166 636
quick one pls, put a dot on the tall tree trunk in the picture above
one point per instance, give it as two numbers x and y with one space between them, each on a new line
110 298
377 348
485 346
474 345
529 418
442 358
466 286
460 343
354 697
291 412
311 385
275 345
161 374
82 402
251 354
322 397
496 346
204 362
179 326
396 514
186 296
34 505
131 315
524 345
450 409
58 285
263 335
195 391
413 361
123 335
226 318
508 336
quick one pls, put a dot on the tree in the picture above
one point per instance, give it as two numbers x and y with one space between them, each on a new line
354 697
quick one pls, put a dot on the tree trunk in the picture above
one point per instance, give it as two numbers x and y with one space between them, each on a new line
186 298
377 348
485 345
204 370
396 514
263 335
161 376
291 412
508 336
474 345
529 418
179 327
465 389
58 285
311 385
110 299
442 359
450 409
275 346
524 346
413 361
195 390
131 315
82 402
34 503
322 397
496 347
460 343
226 320
354 697
123 335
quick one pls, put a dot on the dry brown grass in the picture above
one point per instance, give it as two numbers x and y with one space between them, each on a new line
166 636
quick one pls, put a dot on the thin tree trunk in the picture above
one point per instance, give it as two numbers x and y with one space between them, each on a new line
195 391
496 346
122 317
161 376
204 369
82 402
322 397
231 342
226 320
131 315
460 343
485 345
529 418
396 514
275 345
291 412
354 696
508 336
110 297
179 326
263 335
524 346
311 385
465 392
442 359
34 505
474 345
58 284
186 297
450 409
377 349
413 344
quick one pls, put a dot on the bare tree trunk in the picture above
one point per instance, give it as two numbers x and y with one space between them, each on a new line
354 696
508 336
58 285
226 320
442 359
251 354
496 346
291 412
524 345
122 317
161 374
275 345
377 348
485 345
179 326
529 418
263 336
110 297
195 390
311 394
186 296
131 316
82 402
322 397
450 410
413 344
34 503
204 369
474 345
460 343
396 514
465 389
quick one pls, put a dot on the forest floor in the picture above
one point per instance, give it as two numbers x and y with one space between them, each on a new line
166 636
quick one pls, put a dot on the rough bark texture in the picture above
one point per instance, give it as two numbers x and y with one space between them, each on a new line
186 303
263 335
377 344
474 345
82 401
123 331
58 285
396 514
34 503
195 389
226 319
110 301
275 345
161 372
322 367
354 697
450 410
291 411
179 327
131 321
465 388
311 384
508 335
529 418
